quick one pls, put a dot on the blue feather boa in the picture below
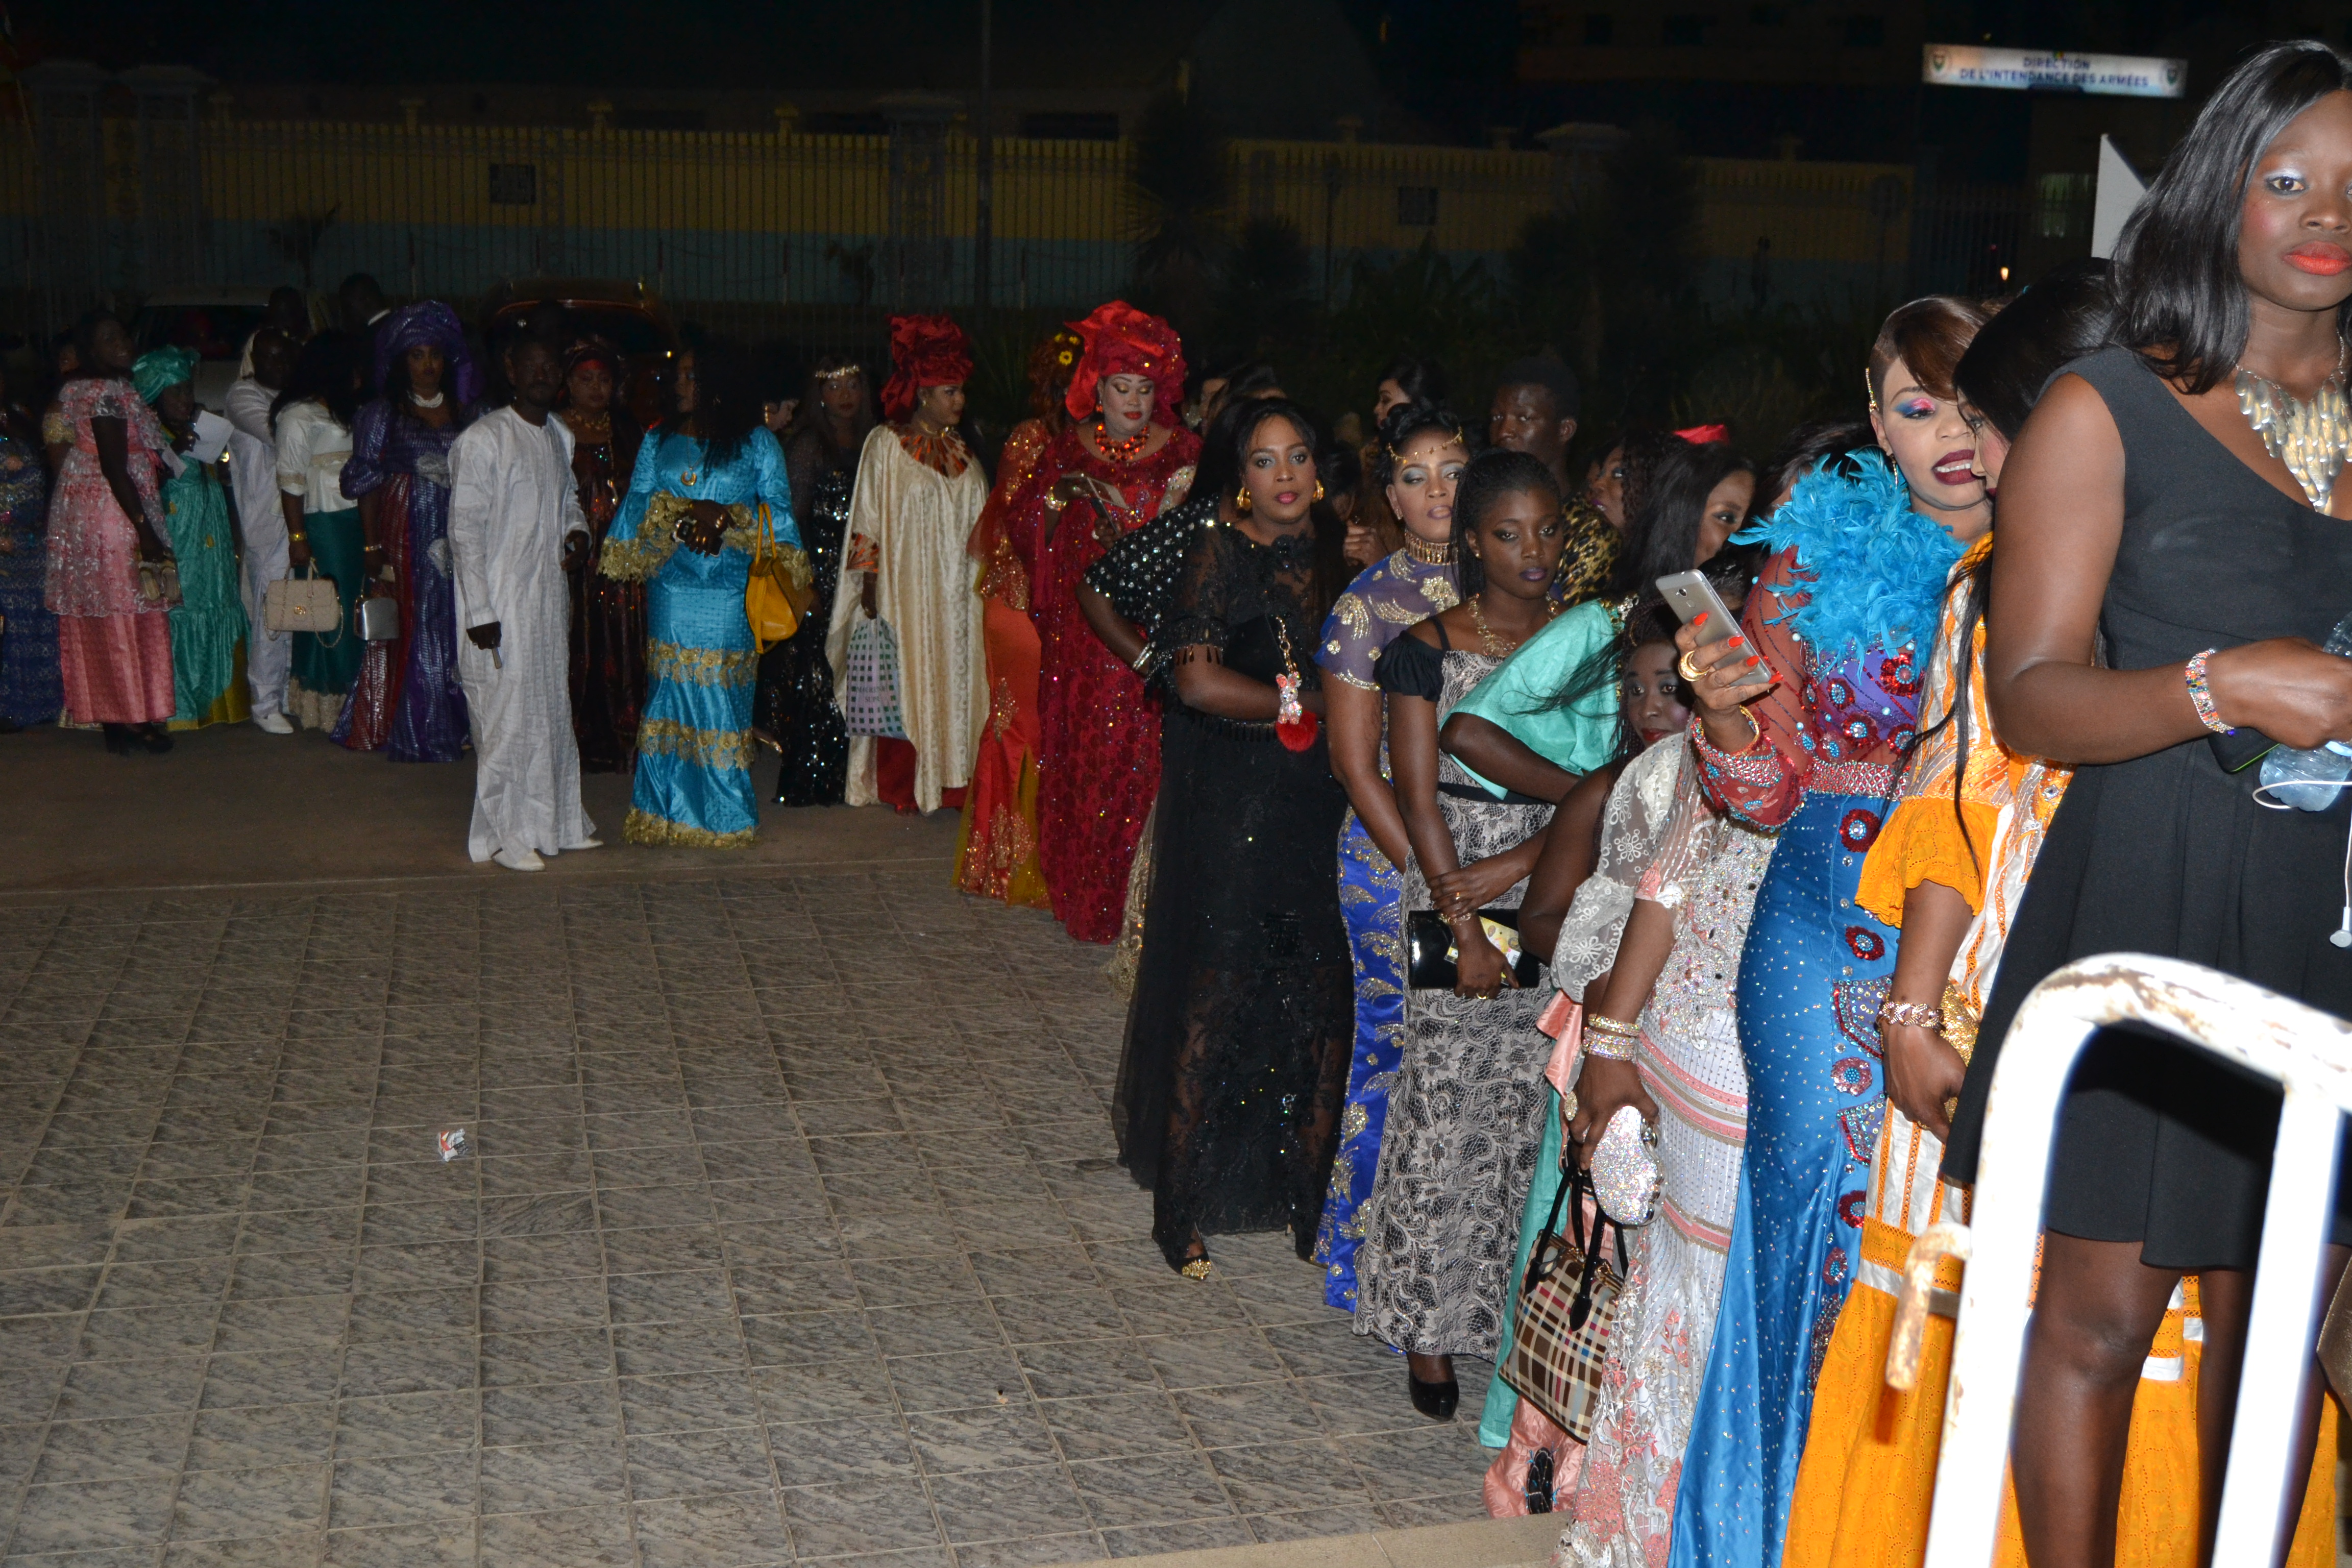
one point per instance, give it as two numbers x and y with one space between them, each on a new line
1874 569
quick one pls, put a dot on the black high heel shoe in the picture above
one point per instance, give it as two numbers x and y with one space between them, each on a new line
156 738
1434 1400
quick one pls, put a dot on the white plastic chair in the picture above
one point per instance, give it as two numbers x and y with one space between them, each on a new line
2305 1051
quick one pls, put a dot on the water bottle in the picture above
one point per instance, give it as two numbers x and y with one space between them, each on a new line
2312 780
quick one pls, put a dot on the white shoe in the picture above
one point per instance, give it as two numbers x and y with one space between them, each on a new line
273 724
520 860
584 844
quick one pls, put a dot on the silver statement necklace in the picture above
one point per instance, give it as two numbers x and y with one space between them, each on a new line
432 402
2311 437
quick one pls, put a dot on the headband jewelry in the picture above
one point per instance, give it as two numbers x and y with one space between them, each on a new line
843 374
1870 386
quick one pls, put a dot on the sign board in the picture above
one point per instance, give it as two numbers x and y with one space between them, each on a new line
2053 70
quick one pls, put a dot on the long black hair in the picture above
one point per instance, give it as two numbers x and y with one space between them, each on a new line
1490 477
1421 380
1662 536
328 370
2180 299
2061 317
727 402
1332 569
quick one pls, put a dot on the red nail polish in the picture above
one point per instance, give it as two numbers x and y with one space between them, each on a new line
1699 619
1753 661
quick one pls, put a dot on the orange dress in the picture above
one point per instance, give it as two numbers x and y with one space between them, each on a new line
1868 1477
996 847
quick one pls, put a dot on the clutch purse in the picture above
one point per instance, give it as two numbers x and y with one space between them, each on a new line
1625 1169
1566 1314
1430 954
159 581
378 618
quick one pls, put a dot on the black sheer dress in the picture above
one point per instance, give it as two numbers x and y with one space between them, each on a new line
1238 1044
795 696
1141 572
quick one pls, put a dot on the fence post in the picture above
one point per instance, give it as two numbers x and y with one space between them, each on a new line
918 197
171 175
70 138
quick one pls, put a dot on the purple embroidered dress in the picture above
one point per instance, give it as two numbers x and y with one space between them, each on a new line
1374 612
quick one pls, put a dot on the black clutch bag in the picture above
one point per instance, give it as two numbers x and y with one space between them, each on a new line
1429 946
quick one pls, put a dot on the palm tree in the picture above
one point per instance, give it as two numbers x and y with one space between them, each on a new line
1182 190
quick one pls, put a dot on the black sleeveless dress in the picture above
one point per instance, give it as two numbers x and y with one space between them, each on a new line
2170 854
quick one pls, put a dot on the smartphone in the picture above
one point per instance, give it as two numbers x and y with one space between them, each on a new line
1691 596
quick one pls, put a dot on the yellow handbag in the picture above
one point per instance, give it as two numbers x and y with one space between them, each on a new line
780 591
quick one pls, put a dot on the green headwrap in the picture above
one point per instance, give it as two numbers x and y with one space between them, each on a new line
160 368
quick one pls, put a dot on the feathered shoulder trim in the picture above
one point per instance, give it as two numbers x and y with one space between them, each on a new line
1873 570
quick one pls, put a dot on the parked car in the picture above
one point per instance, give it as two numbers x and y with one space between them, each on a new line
215 322
626 314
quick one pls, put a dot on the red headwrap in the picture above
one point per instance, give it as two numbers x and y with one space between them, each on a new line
1123 341
925 351
1706 435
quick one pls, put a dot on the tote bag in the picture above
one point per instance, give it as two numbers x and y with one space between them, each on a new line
869 691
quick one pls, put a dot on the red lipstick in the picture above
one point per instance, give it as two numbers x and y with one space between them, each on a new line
2320 258
1955 468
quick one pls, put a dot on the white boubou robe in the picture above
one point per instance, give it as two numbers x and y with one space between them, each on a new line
918 521
513 505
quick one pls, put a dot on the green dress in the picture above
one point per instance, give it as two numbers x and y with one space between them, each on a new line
208 626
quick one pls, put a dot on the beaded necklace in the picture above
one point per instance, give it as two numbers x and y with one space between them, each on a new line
1124 449
2311 437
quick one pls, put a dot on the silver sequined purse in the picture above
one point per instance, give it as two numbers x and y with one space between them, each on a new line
1625 1169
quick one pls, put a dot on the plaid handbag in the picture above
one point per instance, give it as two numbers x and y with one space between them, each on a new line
1567 1310
869 695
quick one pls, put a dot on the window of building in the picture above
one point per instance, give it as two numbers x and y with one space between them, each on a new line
514 184
1687 29
1071 127
1865 32
1416 206
1600 27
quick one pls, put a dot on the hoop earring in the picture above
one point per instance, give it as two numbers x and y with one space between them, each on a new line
1319 490
1242 500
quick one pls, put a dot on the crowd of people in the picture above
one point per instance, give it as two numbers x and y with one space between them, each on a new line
1489 848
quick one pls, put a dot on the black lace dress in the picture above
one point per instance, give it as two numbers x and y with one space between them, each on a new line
795 695
1228 1100
1140 573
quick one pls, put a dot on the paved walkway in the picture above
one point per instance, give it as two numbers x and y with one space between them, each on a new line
790 1228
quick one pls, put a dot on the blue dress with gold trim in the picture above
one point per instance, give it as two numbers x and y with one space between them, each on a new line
693 784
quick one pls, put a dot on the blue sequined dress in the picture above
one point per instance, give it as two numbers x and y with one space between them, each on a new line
1857 572
693 781
1374 612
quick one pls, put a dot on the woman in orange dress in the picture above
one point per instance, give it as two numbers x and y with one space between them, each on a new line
996 849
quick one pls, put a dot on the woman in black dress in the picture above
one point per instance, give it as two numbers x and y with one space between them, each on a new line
2162 579
1228 1100
796 703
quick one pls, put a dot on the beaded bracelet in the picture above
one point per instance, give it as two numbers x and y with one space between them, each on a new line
1609 1039
1918 1015
2201 695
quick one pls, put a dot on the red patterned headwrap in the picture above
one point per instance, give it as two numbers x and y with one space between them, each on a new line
925 351
1123 341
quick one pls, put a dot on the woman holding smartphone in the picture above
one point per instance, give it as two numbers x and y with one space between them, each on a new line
1839 621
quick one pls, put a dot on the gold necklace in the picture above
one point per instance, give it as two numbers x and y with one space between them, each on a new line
1428 552
2312 436
1493 645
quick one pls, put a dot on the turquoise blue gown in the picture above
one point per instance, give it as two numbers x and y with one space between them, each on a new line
1856 573
694 739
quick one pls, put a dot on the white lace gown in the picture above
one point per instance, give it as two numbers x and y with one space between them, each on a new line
1707 869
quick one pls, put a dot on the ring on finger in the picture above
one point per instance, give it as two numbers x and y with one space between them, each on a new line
1687 669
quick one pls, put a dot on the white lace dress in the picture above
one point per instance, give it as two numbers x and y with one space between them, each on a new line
1705 867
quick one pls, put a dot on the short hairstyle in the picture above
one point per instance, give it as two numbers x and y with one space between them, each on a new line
84 337
2180 299
1490 477
2066 314
1406 422
1543 370
1929 334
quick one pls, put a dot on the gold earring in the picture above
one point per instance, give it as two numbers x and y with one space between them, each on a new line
1241 498
1319 490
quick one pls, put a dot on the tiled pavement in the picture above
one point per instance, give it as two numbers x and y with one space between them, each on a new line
792 1233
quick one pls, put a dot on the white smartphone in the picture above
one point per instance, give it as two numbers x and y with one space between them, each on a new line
1691 596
